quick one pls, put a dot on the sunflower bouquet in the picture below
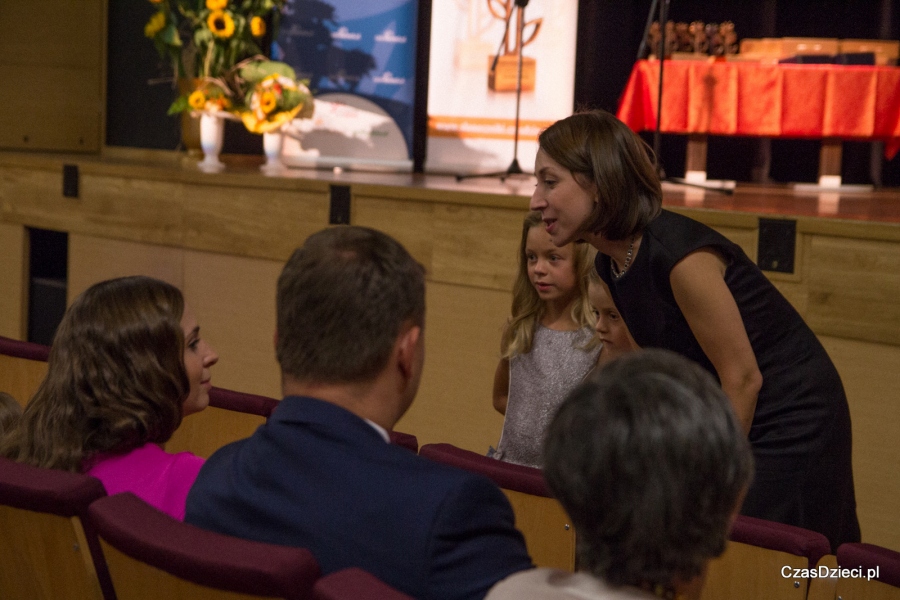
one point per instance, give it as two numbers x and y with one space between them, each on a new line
275 97
207 40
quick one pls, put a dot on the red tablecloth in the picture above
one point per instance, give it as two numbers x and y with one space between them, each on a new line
773 100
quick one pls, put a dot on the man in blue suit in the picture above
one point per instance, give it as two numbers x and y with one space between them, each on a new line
321 473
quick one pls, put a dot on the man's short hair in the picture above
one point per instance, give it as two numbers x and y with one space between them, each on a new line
343 298
649 461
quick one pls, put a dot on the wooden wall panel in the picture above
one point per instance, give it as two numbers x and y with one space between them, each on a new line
234 300
58 67
93 259
476 246
871 380
410 222
131 208
462 347
13 280
238 220
853 288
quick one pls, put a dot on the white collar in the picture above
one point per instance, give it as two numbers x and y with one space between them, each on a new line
381 430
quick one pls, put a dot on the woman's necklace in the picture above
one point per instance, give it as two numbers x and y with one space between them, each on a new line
617 273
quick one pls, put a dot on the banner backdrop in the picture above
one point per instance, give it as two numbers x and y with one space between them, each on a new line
471 110
362 52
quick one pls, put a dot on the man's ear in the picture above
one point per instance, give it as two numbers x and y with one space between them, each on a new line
407 349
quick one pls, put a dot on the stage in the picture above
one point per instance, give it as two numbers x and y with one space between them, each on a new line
223 239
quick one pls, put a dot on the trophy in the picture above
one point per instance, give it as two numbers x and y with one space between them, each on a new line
699 43
503 68
729 38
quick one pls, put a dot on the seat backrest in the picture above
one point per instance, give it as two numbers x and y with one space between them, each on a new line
47 550
405 440
354 584
23 366
549 535
760 561
151 555
230 416
878 575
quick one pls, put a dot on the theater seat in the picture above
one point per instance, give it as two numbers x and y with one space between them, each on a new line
878 577
405 440
23 366
355 584
47 548
549 536
151 555
230 416
758 555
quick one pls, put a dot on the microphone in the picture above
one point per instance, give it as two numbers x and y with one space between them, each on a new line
522 3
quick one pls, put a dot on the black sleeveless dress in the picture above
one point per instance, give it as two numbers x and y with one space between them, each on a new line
801 428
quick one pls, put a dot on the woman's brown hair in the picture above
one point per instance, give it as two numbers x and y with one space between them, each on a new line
115 380
606 157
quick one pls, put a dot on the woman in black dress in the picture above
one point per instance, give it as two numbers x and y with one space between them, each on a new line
682 286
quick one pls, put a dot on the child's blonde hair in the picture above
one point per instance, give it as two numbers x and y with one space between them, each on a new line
527 306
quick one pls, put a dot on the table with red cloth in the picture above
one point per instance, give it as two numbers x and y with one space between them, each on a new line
833 102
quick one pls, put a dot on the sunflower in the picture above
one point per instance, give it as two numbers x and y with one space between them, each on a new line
155 24
257 27
197 100
221 24
268 101
215 4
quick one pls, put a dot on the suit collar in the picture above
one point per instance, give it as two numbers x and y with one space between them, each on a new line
317 412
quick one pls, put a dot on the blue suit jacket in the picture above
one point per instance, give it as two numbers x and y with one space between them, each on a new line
319 477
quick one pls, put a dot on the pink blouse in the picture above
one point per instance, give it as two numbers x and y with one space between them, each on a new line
158 478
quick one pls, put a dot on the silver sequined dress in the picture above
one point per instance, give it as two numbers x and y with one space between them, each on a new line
538 383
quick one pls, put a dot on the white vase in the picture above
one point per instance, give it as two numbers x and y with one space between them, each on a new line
212 129
273 143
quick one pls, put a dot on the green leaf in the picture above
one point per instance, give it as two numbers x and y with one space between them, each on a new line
258 70
291 98
180 105
169 35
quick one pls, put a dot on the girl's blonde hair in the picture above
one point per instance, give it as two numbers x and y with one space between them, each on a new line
527 306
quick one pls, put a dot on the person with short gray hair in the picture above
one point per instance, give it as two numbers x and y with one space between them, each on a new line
651 465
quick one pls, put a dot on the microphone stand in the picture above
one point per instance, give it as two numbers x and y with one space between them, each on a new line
513 168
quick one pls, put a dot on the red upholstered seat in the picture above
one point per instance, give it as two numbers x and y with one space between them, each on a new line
549 536
407 440
527 480
146 548
23 366
870 556
781 537
355 584
761 560
242 402
26 350
47 549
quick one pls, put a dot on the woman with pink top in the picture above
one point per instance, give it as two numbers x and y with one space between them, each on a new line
126 364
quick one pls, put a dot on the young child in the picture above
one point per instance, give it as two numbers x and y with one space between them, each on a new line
612 332
548 344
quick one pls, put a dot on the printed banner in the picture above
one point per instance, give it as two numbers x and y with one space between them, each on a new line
354 49
472 91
